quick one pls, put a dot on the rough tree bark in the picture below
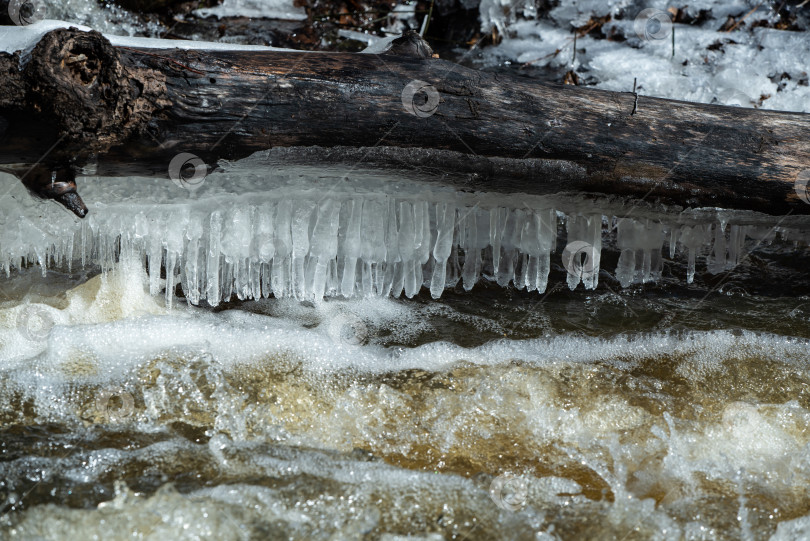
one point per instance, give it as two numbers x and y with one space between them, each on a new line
79 100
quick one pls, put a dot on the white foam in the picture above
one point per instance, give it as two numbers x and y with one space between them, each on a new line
116 325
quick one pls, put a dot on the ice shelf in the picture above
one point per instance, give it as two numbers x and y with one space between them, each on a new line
362 239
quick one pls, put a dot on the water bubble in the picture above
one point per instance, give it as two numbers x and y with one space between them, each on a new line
509 492
187 171
653 24
420 98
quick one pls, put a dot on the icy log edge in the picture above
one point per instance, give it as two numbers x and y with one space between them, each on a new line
79 100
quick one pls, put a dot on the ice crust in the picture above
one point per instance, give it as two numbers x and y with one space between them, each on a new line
359 240
25 38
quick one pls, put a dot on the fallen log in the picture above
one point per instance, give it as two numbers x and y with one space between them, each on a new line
79 100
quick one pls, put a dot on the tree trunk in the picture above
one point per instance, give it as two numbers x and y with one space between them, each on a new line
79 100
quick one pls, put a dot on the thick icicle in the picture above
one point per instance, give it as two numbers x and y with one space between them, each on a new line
323 246
469 243
213 293
445 222
352 247
391 241
497 222
373 246
407 249
299 227
693 238
265 248
282 242
640 243
582 254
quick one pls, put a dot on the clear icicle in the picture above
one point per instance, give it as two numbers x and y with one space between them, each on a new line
323 246
282 260
693 238
582 254
445 220
374 250
407 249
213 293
352 247
469 243
299 228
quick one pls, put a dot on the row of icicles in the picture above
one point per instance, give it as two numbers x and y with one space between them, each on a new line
378 246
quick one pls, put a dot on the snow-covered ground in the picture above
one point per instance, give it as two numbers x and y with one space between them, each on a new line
749 67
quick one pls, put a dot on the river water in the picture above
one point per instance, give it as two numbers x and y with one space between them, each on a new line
662 410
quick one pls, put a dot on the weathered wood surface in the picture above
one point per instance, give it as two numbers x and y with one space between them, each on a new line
80 100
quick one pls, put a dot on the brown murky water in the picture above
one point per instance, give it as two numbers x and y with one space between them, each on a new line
487 416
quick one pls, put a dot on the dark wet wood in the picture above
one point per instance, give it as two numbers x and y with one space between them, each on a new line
134 110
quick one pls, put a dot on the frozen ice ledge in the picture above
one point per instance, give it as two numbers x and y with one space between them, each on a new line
361 238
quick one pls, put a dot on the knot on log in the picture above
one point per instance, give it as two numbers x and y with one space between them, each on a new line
410 43
78 80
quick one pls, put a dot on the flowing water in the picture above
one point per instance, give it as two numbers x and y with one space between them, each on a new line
131 408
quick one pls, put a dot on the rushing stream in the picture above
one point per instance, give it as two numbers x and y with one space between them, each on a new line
659 410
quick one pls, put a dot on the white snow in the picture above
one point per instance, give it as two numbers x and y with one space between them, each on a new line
25 38
747 71
269 9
